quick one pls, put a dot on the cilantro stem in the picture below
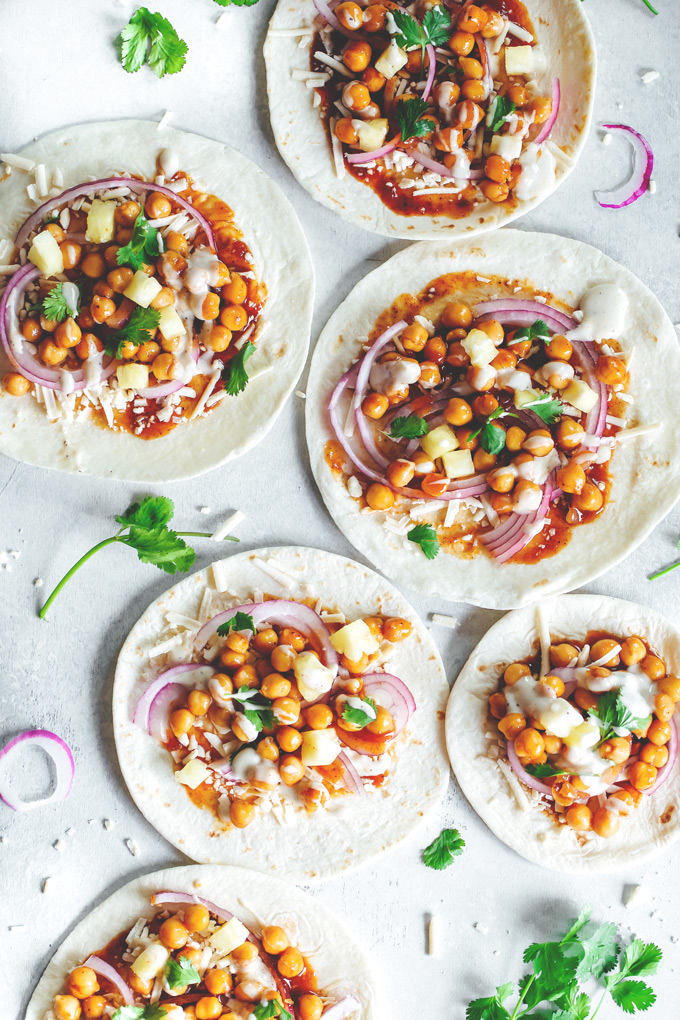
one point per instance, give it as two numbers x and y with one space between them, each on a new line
76 566
205 534
515 1012
666 570
599 1006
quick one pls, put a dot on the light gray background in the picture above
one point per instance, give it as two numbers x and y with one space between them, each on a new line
58 66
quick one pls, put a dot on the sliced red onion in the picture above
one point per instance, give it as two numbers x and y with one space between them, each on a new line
664 772
142 713
596 418
550 122
338 428
521 773
350 776
60 753
638 182
391 693
485 56
356 158
507 307
430 164
342 1008
161 708
110 973
89 187
365 367
281 611
431 68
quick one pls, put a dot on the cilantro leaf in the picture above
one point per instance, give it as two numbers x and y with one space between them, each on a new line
150 37
410 427
239 621
632 996
641 959
492 438
163 548
537 331
236 3
150 1012
181 973
613 715
600 952
137 331
548 408
410 33
544 771
152 512
580 922
142 247
437 26
425 536
357 716
410 120
486 1009
259 713
441 851
234 373
55 305
272 1008
499 112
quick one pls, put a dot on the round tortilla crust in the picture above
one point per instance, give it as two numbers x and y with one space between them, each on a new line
644 472
282 262
531 832
564 36
325 843
341 965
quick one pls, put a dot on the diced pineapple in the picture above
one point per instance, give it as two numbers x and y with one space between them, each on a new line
579 394
142 289
46 254
312 677
229 937
391 60
354 640
519 60
319 747
439 441
524 397
150 961
170 324
372 133
507 146
133 376
480 347
193 774
584 736
100 222
458 464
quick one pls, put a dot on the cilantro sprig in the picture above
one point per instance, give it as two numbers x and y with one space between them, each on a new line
234 373
357 716
612 715
411 120
142 247
665 570
239 621
144 527
150 38
537 331
492 438
499 112
425 536
647 5
259 712
238 3
560 969
151 1012
181 973
55 306
412 34
408 427
137 331
272 1008
544 771
442 850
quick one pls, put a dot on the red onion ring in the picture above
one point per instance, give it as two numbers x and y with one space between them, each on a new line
142 712
393 694
60 753
365 367
338 428
521 773
596 418
350 776
510 306
431 68
664 772
356 158
342 1008
108 972
442 169
161 707
638 182
550 122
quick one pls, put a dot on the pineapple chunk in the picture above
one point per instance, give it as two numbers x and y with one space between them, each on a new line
312 677
584 736
507 146
480 347
391 60
439 441
524 397
458 464
354 641
229 937
319 747
46 254
142 289
100 222
372 133
519 60
133 376
150 962
170 324
579 394
193 774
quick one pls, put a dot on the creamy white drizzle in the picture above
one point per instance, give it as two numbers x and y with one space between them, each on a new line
538 172
604 310
389 377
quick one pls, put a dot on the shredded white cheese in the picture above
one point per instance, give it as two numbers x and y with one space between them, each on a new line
445 621
17 162
269 567
225 529
165 120
639 430
520 797
544 637
433 935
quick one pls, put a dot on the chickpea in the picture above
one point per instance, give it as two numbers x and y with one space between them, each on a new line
208 1008
357 56
563 791
198 703
288 738
245 953
127 212
383 722
166 366
51 354
396 629
140 985
379 497
514 671
173 934
653 755
669 685
400 473
617 749
350 15
512 725
290 963
659 732
101 308
518 94
346 132
274 939
642 776
48 325
217 981
236 291
318 717
248 990
461 43
498 705
501 502
93 265
571 478
31 330
483 461
292 637
102 289
633 650
111 256
555 683
82 982
497 169
286 711
494 24
561 655
541 109
275 686
241 813
157 206
473 19
283 657
291 769
68 334
569 434
605 823
71 253
16 384
196 917
530 744
471 68
494 192
589 499
585 699
310 1006
67 1007
166 297
219 339
374 17
579 817
456 315
93 1006
57 232
653 666
375 405
372 77
118 279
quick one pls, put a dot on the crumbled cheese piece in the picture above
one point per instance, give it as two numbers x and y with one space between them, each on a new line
38 583
651 187
270 567
607 138
44 885
132 847
225 529
59 845
17 162
634 896
219 578
445 621
108 823
301 394
165 120
649 76
433 935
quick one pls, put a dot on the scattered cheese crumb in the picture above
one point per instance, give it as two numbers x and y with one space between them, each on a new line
204 510
433 935
45 884
165 120
59 845
301 394
649 76
107 823
445 621
132 847
232 522
38 583
607 139
3 839
651 187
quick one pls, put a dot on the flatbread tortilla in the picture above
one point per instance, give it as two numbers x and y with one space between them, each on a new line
645 471
282 262
515 817
564 36
324 843
341 965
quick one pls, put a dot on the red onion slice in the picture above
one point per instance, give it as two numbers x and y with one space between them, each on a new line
596 419
664 772
142 713
350 776
521 773
60 753
393 694
341 1009
507 307
357 158
338 428
638 182
550 122
161 707
365 367
90 187
108 972
431 68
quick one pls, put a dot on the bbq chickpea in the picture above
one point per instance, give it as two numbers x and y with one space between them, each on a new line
530 744
456 315
495 24
514 672
396 629
473 19
569 434
346 132
461 43
82 982
275 686
217 981
31 330
541 109
605 823
400 473
291 769
357 56
166 366
198 703
518 94
350 15
16 384
51 354
93 1006
571 478
67 1007
633 650
664 707
196 917
71 254
670 685
497 169
493 191
208 1008
274 939
414 337
101 308
234 317
241 813
435 350
653 755
288 738
579 817
68 333
616 749
457 412
474 90
93 265
590 499
653 666
642 776
498 705
559 347
310 1006
173 934
501 479
611 370
157 206
512 725
290 963
379 497
373 79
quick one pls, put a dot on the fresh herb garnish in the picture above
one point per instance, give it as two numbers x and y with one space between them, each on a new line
239 621
548 408
144 527
560 968
142 247
410 119
502 109
55 306
234 373
537 331
237 3
150 1012
441 851
492 438
137 331
259 713
647 5
357 716
544 771
435 29
411 427
665 570
150 38
273 1008
613 715
181 973
425 536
